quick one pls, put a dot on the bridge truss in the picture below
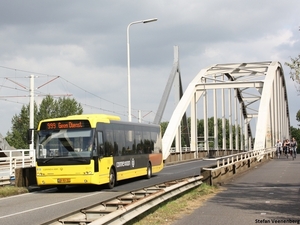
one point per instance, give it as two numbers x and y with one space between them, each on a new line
249 98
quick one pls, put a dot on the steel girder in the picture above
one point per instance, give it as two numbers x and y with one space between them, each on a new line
259 92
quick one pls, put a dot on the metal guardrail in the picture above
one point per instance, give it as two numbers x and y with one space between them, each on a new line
10 160
127 206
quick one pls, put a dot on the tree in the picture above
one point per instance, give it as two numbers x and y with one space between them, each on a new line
200 135
298 116
295 75
49 108
295 133
67 106
163 127
20 124
295 69
46 110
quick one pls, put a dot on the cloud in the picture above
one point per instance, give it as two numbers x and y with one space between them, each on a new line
85 44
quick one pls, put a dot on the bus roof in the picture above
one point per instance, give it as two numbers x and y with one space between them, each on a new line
92 118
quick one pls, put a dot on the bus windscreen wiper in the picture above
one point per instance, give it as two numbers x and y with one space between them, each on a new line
47 160
80 159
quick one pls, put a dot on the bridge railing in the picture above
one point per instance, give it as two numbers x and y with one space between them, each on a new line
228 166
10 160
200 149
200 153
231 159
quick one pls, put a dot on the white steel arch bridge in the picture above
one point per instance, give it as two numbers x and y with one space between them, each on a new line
250 97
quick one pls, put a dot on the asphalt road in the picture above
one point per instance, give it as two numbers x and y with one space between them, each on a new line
269 193
42 206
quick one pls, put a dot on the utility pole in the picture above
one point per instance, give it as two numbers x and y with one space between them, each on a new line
31 112
31 106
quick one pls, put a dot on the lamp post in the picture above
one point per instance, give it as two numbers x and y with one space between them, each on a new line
128 62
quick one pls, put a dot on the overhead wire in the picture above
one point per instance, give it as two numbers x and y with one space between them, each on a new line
40 93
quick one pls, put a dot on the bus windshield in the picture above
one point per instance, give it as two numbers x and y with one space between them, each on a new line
65 143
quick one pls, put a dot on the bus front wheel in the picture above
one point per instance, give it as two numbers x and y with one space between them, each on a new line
149 171
112 179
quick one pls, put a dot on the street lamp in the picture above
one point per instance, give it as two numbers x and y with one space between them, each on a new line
128 62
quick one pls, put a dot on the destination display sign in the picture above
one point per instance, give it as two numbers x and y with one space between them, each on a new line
58 125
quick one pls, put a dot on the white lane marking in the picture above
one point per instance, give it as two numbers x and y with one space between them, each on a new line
57 203
50 190
14 196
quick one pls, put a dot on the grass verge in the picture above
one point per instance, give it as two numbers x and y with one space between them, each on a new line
6 191
172 210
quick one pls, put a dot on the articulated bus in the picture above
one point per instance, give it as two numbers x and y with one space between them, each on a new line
95 149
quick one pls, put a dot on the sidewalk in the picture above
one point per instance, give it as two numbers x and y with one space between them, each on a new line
269 193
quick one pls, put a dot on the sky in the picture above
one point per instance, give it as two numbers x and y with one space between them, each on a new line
78 49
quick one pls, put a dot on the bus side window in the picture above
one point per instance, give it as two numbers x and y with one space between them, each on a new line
100 146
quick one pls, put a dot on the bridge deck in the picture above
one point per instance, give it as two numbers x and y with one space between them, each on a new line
268 192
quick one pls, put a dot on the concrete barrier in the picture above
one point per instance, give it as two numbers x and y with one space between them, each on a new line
25 177
216 176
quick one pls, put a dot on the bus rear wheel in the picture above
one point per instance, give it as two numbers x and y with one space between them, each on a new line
149 171
112 179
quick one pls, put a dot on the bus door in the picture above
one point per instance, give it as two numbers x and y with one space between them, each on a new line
95 155
104 161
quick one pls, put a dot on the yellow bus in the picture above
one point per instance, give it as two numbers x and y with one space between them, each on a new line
95 149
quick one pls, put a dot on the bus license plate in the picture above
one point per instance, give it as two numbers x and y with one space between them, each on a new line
63 180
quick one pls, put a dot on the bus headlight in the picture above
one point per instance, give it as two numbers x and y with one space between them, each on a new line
87 173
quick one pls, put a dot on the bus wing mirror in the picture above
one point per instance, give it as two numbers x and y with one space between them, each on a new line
29 136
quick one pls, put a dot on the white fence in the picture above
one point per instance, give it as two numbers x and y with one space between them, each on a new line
10 160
